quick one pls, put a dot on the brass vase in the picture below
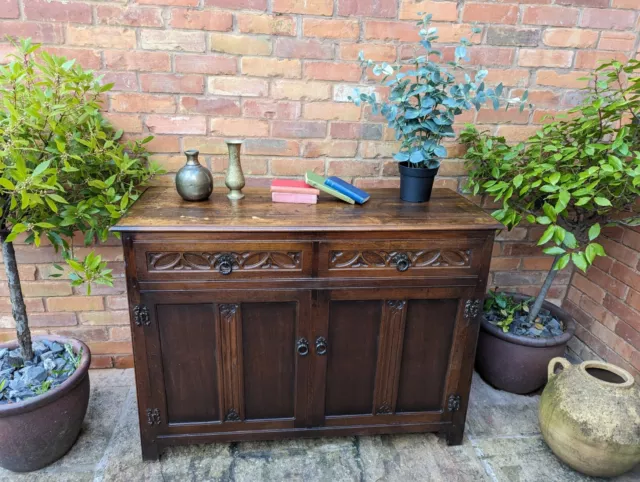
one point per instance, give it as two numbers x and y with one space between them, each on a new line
235 179
194 182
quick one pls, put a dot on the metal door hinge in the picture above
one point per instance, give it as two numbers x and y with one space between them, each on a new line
471 309
453 404
141 315
153 416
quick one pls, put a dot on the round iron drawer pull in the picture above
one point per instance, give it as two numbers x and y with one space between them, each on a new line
321 345
402 262
302 347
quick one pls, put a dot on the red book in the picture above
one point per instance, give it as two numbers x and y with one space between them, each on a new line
293 186
294 198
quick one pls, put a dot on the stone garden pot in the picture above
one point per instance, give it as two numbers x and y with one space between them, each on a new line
38 431
590 417
518 364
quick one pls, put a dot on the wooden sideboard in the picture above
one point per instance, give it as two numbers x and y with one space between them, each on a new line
253 320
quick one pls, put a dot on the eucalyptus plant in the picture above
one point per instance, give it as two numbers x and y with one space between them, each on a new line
63 168
575 175
425 97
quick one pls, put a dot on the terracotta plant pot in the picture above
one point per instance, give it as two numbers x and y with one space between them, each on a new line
40 430
590 417
518 364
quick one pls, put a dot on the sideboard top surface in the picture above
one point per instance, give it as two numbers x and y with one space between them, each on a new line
161 209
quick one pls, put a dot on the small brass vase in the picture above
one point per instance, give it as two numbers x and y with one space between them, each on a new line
194 182
235 179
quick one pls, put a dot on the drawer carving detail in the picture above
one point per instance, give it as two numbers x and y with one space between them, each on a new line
401 260
225 262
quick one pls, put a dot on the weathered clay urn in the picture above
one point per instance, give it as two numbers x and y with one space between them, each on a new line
38 431
590 417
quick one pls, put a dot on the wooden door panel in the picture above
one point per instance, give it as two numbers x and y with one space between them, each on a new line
189 360
352 354
428 333
268 342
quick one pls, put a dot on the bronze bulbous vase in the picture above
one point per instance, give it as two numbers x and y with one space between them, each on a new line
194 182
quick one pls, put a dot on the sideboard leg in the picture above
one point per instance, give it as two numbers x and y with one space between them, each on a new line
150 452
455 435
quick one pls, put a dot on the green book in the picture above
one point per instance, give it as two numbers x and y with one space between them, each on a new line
317 181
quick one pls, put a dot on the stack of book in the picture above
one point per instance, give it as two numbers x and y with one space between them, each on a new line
293 192
337 188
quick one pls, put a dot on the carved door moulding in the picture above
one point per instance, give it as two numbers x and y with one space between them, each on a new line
434 258
212 261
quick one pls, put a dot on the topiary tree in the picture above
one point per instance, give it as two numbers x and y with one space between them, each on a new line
62 167
576 175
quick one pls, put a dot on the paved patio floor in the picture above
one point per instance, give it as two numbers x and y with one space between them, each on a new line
502 443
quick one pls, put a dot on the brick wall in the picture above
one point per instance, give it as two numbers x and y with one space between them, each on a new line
606 302
278 73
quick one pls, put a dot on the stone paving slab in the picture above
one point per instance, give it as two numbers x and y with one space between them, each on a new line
502 444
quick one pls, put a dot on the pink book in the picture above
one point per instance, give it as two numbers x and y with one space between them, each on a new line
294 198
292 186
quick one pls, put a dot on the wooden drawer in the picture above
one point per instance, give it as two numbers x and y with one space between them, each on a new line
393 258
222 260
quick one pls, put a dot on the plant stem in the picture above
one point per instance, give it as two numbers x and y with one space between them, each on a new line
535 309
18 308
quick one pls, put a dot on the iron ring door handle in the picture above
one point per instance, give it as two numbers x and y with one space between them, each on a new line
321 346
225 264
302 347
402 262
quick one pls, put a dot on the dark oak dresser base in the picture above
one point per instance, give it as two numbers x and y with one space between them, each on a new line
262 321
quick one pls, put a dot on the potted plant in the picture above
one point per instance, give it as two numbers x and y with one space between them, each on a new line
424 99
62 170
575 176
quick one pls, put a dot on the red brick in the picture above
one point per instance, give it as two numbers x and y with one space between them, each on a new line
142 61
241 44
331 148
342 29
205 64
607 18
52 319
368 8
271 67
271 147
350 72
303 49
296 167
506 264
490 13
75 303
491 55
544 58
201 19
239 128
516 133
369 183
209 106
110 347
627 275
157 144
556 16
590 59
521 249
611 284
53 11
129 16
300 90
570 37
352 130
89 59
270 109
178 124
266 24
542 263
38 32
238 4
617 41
126 122
177 3
299 129
120 333
515 278
331 111
633 300
440 11
206 145
99 362
584 3
173 40
348 167
384 30
376 52
622 311
131 102
620 252
126 81
629 334
106 37
238 86
567 80
9 9
310 7
34 305
250 166
632 239
374 150
513 116
123 361
171 83
624 4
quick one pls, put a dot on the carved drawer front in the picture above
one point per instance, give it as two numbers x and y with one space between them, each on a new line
223 261
428 257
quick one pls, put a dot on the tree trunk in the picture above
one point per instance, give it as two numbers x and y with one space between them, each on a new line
18 307
535 309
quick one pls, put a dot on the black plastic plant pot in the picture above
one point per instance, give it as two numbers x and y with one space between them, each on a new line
416 183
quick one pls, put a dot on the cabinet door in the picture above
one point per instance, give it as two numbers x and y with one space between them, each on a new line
226 357
390 354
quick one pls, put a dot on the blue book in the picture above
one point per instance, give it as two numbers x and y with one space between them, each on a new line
358 195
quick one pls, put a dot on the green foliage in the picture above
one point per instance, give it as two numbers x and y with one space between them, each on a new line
3 384
62 166
575 175
44 387
425 98
75 359
505 306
